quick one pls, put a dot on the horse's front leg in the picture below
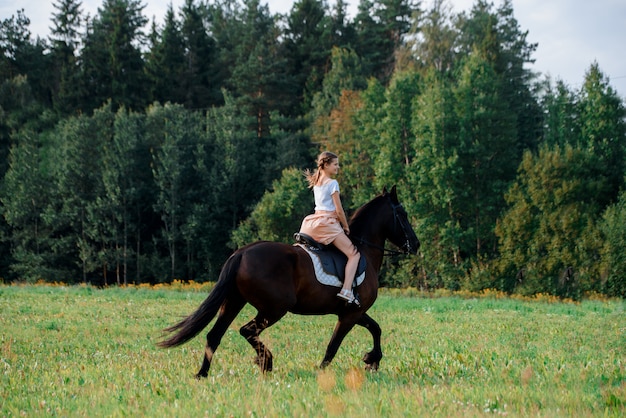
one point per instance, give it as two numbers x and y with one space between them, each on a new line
341 330
372 359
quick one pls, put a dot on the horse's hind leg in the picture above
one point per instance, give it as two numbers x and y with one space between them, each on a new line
251 332
228 313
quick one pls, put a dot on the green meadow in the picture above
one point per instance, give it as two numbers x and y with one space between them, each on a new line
83 351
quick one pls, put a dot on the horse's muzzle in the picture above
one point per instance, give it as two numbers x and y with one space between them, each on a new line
411 248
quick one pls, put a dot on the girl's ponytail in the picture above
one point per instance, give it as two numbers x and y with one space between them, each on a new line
324 159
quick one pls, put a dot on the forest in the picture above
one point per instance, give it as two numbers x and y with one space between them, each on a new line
137 151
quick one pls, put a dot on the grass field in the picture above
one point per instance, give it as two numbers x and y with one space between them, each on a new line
81 351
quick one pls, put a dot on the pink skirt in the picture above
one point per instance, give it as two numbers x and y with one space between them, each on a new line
322 226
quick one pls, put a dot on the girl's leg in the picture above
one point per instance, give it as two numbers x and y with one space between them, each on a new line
343 243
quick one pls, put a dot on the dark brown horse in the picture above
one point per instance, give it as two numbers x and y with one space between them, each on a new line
278 278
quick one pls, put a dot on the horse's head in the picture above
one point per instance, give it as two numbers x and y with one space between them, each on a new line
400 232
384 218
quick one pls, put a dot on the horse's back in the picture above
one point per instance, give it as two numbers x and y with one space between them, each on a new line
270 274
266 260
278 277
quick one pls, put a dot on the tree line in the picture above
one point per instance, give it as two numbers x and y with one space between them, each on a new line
132 156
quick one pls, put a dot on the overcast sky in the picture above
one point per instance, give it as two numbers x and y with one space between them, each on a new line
571 34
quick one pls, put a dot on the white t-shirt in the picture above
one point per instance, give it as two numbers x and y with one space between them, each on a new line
323 195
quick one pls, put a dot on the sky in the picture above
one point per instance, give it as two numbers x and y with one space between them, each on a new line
571 34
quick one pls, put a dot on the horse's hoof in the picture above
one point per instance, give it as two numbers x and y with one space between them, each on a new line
373 367
266 364
200 376
372 357
372 360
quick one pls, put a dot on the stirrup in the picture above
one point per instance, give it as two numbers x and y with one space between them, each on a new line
349 297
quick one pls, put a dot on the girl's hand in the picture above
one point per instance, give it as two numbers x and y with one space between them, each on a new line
346 230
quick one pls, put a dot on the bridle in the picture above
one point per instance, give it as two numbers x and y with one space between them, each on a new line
396 220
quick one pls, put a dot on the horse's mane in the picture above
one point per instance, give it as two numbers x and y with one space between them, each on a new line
360 213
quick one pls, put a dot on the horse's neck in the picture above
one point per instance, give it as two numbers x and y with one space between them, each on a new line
369 241
365 230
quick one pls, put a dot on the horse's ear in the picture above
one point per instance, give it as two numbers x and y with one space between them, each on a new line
384 190
394 193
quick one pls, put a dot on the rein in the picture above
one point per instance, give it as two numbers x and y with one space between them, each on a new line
386 251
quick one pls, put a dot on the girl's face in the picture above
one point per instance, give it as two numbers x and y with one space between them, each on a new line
332 168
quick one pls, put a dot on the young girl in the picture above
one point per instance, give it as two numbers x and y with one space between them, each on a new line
329 224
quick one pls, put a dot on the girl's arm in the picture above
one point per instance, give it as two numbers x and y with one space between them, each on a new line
340 213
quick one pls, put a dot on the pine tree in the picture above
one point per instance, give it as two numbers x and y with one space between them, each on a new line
14 40
165 62
342 30
308 46
112 61
259 80
436 47
202 78
24 69
498 37
381 26
65 39
561 116
603 131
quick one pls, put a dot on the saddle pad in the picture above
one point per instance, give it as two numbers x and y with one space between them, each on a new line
325 278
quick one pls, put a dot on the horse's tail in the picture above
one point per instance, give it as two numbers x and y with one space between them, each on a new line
194 323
